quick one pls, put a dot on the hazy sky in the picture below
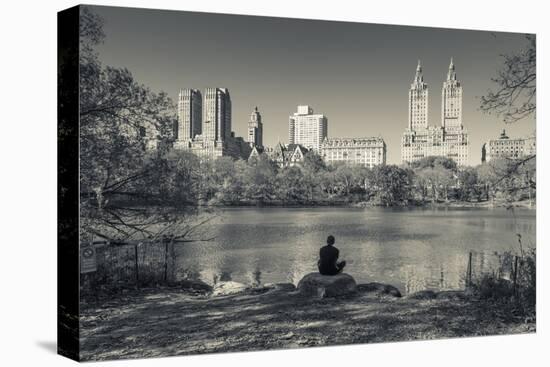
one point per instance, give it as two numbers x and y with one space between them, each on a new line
356 74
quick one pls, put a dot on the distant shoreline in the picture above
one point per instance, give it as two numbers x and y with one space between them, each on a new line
427 205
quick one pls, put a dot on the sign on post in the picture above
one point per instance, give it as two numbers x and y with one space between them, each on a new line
88 258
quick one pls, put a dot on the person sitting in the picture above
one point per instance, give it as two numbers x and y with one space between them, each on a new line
328 263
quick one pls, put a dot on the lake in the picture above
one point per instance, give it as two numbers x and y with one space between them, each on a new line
412 249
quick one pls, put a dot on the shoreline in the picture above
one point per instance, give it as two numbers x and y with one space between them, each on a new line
365 205
171 321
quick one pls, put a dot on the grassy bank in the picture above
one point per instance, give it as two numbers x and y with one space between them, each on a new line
151 323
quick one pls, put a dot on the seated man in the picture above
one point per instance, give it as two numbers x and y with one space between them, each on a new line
328 262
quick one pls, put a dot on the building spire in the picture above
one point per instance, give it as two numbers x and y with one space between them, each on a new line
451 75
418 78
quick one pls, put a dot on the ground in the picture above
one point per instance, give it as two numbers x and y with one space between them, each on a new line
152 323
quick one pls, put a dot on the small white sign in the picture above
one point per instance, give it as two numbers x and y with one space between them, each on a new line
88 258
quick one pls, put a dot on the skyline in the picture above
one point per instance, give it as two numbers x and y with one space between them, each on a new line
356 74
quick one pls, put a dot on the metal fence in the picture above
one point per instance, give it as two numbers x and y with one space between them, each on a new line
132 264
499 265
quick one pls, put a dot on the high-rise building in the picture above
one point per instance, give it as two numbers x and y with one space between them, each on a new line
189 114
448 140
451 101
307 128
255 129
215 138
367 152
418 101
509 148
216 118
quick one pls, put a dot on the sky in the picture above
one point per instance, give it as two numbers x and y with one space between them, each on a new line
356 74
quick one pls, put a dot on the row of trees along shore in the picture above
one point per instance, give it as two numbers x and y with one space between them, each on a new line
183 179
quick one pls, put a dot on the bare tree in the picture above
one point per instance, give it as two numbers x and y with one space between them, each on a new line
514 97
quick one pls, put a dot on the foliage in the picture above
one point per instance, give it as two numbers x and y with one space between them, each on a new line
131 186
517 292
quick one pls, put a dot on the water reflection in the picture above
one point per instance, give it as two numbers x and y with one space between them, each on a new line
413 249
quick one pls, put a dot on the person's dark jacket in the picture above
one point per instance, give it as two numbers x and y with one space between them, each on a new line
328 257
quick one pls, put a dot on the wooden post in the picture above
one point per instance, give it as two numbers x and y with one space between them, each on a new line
136 267
165 261
469 271
515 272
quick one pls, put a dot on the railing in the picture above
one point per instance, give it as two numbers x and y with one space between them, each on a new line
130 264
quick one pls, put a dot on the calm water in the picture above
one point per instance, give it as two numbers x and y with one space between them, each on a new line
412 249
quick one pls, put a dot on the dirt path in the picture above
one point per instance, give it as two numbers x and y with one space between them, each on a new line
167 322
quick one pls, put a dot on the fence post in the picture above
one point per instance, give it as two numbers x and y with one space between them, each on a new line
515 273
136 266
165 261
469 271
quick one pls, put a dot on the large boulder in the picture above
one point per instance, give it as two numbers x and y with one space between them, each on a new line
317 285
379 289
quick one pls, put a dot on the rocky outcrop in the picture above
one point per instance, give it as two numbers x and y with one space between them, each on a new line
228 287
272 287
442 295
317 285
451 295
426 294
194 285
379 289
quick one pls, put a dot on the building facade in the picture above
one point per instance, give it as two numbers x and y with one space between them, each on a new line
367 152
255 129
505 147
216 117
449 140
189 114
307 129
283 155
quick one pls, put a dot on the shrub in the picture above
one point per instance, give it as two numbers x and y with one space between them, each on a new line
519 291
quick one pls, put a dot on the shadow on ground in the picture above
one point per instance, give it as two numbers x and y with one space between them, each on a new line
174 323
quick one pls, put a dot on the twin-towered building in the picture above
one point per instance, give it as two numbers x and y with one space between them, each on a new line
204 124
448 140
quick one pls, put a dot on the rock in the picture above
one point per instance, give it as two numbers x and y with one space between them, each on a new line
272 287
317 285
196 285
451 295
427 294
379 289
281 286
229 287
